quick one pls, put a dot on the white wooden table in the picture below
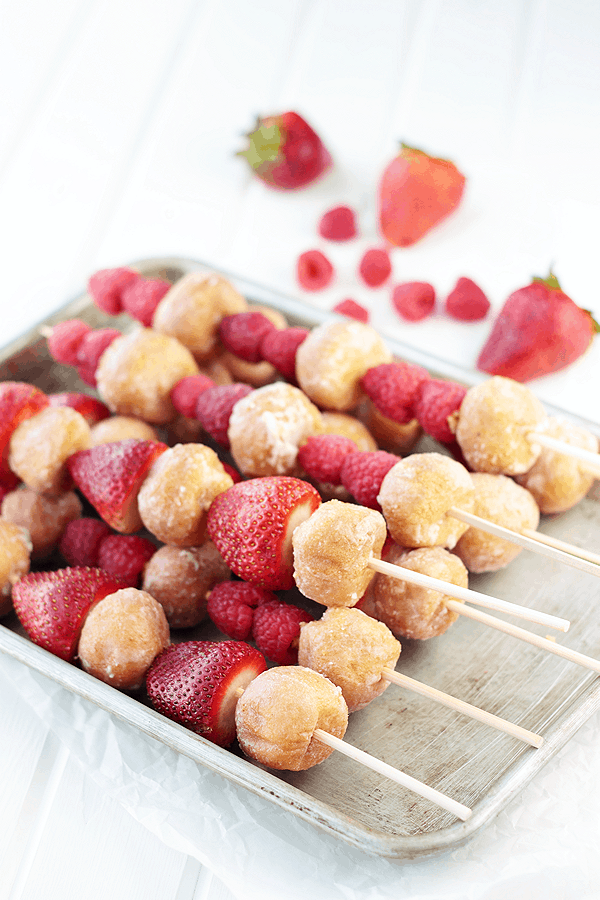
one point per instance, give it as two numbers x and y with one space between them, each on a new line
119 124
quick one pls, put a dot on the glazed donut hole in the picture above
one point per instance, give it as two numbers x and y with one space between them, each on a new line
43 517
350 427
351 650
411 611
40 447
500 500
15 553
121 636
395 437
175 497
181 579
415 497
120 428
278 713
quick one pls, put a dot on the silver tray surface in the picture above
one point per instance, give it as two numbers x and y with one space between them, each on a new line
469 761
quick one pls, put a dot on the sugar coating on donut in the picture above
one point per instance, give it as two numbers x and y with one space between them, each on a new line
415 497
193 308
352 650
15 553
43 517
176 495
121 636
137 372
350 427
181 578
41 446
411 611
333 359
500 500
120 428
278 713
557 481
332 549
267 427
493 421
395 437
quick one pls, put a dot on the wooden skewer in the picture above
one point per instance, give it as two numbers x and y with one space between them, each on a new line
382 768
527 542
453 590
562 545
589 459
536 740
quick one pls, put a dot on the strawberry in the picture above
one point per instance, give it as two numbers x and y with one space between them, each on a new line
241 334
197 684
92 409
111 475
124 556
18 401
231 604
538 330
338 224
81 539
285 152
52 606
416 191
276 629
352 309
314 270
251 525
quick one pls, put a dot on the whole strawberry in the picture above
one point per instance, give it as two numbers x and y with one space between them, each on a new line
285 152
538 330
416 191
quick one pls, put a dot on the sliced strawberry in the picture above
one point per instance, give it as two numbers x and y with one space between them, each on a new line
285 152
252 523
111 475
198 684
92 409
18 401
52 606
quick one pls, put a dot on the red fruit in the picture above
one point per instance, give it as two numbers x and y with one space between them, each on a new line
242 334
437 401
197 684
285 152
279 348
184 395
375 267
52 606
414 300
338 224
467 302
322 456
416 192
276 630
18 401
142 296
111 475
64 340
231 606
91 348
538 330
393 388
81 539
125 556
251 525
214 407
314 270
352 309
107 287
235 475
362 475
92 409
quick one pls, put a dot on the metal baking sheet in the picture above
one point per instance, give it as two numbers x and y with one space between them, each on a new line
469 761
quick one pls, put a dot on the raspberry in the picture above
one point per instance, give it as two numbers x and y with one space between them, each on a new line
375 267
141 298
81 539
214 407
314 270
64 341
467 302
393 388
184 395
90 350
338 224
352 309
231 606
436 401
362 474
322 456
235 475
279 348
276 629
107 287
242 334
124 556
414 300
